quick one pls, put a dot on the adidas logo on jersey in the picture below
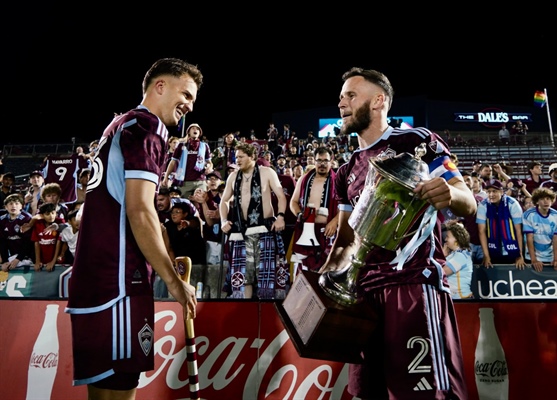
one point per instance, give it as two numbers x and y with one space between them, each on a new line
423 384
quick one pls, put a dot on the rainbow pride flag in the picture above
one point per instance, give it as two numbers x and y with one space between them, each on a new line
539 99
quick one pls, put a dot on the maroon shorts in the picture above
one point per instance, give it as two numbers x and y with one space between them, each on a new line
415 351
118 340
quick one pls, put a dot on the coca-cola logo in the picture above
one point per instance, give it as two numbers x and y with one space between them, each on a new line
49 360
217 375
494 369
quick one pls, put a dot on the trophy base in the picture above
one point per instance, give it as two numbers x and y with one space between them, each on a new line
320 327
342 292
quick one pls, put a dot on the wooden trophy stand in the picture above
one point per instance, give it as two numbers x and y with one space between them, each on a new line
320 327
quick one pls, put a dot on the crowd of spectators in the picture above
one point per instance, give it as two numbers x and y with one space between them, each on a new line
189 213
38 222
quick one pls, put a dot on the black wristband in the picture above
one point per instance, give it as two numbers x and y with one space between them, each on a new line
280 214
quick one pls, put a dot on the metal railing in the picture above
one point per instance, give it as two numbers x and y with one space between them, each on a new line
38 150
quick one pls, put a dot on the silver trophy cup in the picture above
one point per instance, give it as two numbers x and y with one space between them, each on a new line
383 216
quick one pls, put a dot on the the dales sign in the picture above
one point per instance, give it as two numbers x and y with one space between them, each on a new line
493 117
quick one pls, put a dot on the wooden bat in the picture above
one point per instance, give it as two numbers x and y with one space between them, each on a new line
183 268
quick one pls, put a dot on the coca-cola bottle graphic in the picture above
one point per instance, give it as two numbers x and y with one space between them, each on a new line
44 359
490 368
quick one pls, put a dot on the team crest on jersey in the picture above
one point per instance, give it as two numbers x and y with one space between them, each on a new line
435 146
145 336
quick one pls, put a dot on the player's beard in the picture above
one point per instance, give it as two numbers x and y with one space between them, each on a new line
360 121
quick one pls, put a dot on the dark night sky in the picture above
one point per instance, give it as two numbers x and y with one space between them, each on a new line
69 70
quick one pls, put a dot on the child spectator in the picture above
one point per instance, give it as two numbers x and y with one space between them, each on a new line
33 196
458 266
477 187
499 219
45 237
52 193
15 245
540 229
7 187
68 236
183 238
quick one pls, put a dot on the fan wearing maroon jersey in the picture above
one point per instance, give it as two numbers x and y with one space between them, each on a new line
15 244
120 243
188 162
415 351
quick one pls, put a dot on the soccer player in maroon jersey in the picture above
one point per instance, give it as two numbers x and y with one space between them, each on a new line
120 243
414 352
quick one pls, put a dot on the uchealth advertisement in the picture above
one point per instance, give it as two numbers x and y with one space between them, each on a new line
507 282
244 352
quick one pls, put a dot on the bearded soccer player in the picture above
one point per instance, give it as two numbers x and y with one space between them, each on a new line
414 352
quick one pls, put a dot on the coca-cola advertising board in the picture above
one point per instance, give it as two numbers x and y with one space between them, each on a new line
244 352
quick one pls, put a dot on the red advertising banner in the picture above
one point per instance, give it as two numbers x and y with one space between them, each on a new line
244 352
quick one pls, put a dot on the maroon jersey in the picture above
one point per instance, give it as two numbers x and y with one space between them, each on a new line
531 184
12 240
198 155
108 262
64 170
210 233
349 185
288 184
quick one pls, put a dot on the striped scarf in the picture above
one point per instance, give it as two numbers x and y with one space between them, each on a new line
316 255
500 229
328 190
199 163
255 222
